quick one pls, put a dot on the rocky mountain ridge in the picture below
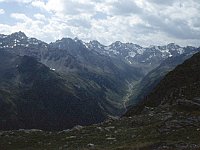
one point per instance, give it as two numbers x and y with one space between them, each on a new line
87 69
167 119
131 53
145 57
66 84
147 84
91 79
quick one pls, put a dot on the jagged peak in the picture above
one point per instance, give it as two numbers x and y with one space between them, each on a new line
118 42
19 34
64 40
135 45
76 39
94 42
173 45
3 36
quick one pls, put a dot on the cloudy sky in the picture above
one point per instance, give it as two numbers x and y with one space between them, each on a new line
145 22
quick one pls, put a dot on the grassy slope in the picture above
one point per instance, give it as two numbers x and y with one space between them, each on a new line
157 129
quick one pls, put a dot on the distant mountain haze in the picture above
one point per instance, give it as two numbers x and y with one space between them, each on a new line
69 82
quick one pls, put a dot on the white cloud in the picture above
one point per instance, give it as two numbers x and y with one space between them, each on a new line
71 7
19 16
2 11
23 1
40 16
39 3
138 21
18 1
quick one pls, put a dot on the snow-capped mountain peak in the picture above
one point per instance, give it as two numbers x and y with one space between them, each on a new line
131 53
2 36
19 35
134 54
19 39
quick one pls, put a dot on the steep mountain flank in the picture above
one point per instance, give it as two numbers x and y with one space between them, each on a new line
71 57
179 88
149 82
33 96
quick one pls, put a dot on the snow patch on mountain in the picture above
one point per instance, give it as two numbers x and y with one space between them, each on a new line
2 36
132 54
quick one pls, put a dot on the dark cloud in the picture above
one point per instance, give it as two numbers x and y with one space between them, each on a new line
75 7
162 2
142 29
177 28
79 23
125 7
196 22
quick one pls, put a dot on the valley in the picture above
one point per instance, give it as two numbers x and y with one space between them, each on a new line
99 75
75 95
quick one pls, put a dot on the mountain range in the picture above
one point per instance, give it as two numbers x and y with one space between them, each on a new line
147 58
69 82
167 118
133 54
